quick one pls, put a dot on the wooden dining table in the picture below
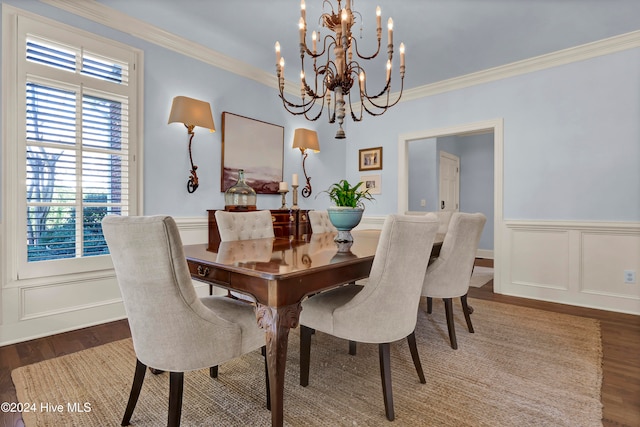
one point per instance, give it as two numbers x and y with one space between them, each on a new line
278 273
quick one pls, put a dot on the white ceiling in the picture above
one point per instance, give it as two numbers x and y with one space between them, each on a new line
444 38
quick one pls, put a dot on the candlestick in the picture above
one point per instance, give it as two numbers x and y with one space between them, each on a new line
295 194
283 192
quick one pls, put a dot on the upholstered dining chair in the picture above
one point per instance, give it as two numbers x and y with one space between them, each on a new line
234 226
383 311
448 276
320 223
444 218
244 225
171 328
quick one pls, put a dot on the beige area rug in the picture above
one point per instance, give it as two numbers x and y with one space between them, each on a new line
522 367
481 276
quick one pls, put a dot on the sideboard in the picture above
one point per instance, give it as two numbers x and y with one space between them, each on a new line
292 223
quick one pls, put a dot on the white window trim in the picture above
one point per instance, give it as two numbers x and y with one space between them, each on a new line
13 201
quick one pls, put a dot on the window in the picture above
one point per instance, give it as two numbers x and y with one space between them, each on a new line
74 101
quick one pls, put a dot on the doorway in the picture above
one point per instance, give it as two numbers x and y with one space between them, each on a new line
494 126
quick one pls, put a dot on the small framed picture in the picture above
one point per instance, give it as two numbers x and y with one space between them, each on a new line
370 159
373 183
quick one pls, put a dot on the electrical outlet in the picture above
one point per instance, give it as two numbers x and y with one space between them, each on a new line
423 202
630 276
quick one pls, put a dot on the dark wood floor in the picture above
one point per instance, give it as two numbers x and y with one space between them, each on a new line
620 340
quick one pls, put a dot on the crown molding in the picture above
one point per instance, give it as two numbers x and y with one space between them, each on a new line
104 15
562 57
94 11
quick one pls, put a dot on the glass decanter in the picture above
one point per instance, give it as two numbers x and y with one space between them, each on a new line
240 196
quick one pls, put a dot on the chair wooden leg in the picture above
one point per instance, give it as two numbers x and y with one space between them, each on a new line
176 382
305 354
385 375
429 305
352 347
213 371
467 312
138 379
448 309
413 348
263 350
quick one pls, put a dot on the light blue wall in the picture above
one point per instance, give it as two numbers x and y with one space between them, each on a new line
571 138
571 134
166 161
423 174
476 177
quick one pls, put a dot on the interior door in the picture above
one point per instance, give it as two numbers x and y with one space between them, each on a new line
449 187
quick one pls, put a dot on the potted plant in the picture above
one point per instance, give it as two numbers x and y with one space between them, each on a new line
349 207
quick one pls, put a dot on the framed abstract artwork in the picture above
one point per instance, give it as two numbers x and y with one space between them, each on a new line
370 159
256 147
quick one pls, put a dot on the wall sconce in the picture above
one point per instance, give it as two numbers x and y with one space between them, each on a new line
306 139
192 113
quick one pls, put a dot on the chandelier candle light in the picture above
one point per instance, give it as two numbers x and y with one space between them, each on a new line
338 73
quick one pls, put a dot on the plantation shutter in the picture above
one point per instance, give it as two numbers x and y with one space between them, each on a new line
77 148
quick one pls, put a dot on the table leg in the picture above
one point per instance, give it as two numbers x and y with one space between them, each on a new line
277 321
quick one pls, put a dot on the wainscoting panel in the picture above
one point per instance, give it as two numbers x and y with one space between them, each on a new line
549 249
603 268
576 263
46 300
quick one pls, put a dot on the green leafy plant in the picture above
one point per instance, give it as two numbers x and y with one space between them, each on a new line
344 194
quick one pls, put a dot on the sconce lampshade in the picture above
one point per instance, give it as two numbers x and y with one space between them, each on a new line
192 112
306 139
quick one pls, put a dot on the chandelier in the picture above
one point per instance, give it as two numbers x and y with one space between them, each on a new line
335 69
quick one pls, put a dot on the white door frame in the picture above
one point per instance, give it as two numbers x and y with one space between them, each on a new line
497 127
